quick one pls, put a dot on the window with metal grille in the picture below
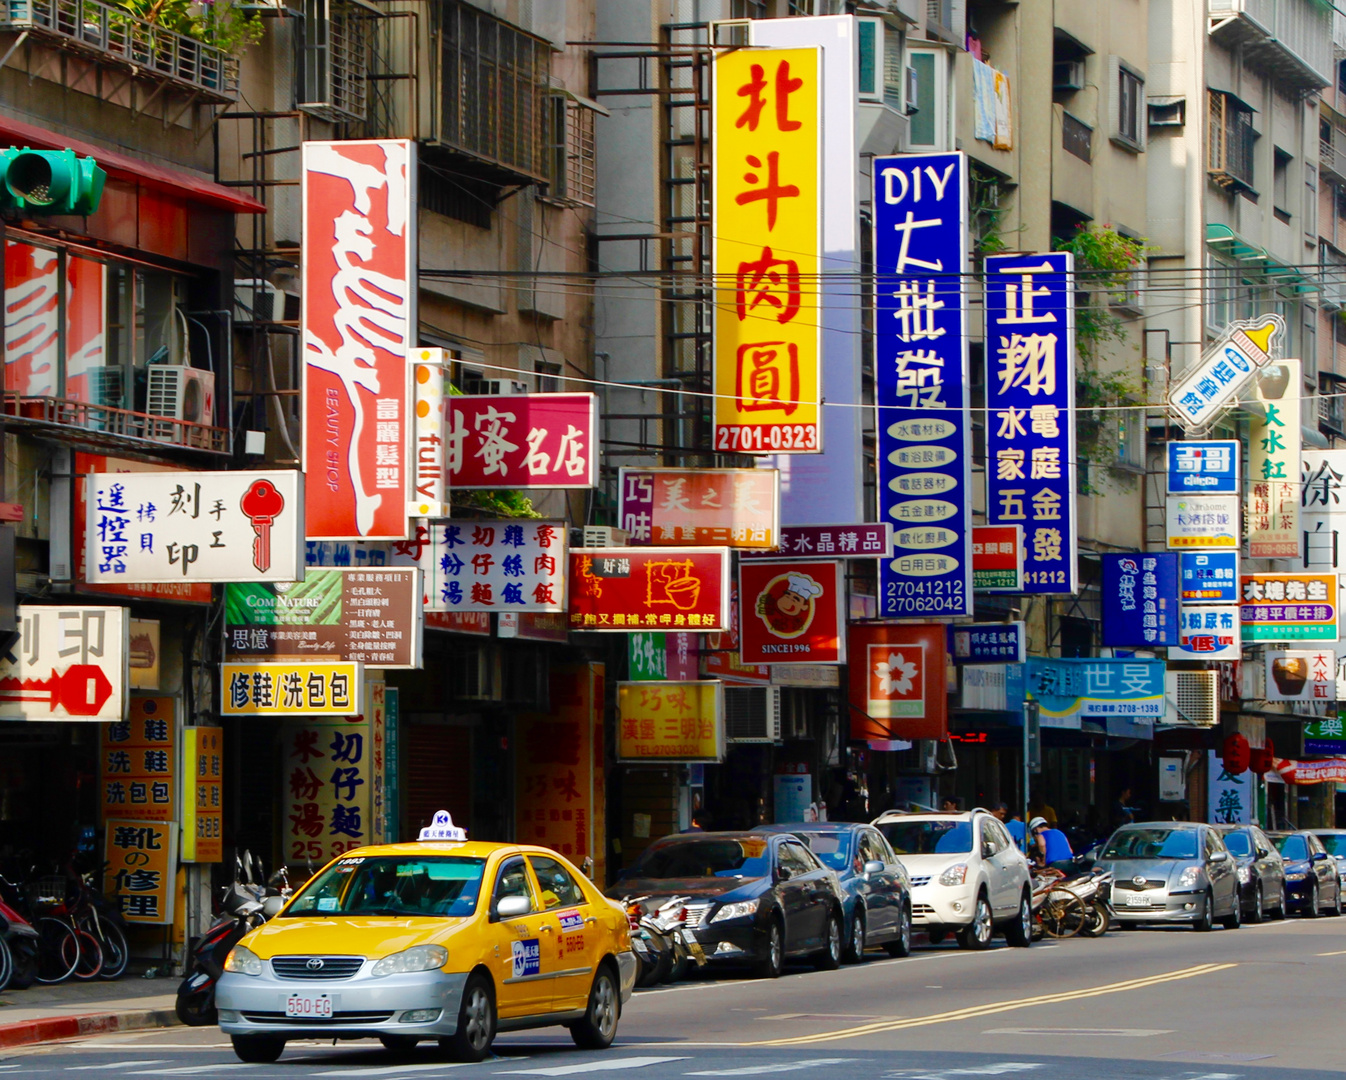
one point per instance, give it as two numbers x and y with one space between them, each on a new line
1231 136
336 60
459 197
492 80
571 170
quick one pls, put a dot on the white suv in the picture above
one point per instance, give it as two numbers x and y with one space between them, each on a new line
966 876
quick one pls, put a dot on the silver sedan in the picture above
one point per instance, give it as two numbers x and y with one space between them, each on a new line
1172 872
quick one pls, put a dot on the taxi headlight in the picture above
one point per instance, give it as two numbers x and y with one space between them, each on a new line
417 958
243 961
736 911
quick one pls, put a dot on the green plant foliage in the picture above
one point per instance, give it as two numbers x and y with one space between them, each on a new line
503 503
222 24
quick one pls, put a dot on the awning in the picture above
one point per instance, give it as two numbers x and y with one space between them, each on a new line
1281 275
124 167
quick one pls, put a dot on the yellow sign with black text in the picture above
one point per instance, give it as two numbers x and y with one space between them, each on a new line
292 689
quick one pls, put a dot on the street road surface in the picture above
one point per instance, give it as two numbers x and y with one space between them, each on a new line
1261 1002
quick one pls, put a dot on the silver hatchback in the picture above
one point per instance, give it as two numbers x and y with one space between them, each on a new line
1172 872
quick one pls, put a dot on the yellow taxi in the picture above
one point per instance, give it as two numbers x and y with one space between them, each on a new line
442 939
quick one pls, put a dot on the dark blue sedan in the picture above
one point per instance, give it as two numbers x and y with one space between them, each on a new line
1312 884
877 904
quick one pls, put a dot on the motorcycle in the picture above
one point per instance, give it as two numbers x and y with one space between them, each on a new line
247 905
661 941
22 942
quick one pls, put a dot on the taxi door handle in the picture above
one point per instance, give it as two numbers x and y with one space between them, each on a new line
591 921
546 928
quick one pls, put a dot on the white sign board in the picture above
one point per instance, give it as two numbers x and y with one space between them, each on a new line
1301 674
69 663
516 565
1207 389
1231 798
1202 522
1208 632
1322 476
186 526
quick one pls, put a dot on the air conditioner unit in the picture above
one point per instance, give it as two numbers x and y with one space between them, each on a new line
506 387
105 386
1192 698
604 536
178 392
472 674
1068 75
752 714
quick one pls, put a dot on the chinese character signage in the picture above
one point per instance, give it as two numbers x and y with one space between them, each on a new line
793 613
1209 577
326 789
1322 512
870 540
291 689
670 721
898 682
69 663
521 441
921 380
1289 607
656 657
1070 689
376 713
1208 632
988 643
1203 468
998 558
373 616
726 507
201 526
1301 674
1030 403
495 565
139 759
1230 797
766 255
1326 736
203 794
359 324
1226 367
649 589
427 495
1140 599
1273 464
141 860
1202 522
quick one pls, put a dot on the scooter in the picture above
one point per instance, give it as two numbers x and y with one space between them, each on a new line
22 942
661 941
247 905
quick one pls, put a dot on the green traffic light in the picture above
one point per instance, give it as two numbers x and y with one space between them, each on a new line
50 181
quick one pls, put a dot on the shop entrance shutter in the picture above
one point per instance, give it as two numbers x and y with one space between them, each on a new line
437 771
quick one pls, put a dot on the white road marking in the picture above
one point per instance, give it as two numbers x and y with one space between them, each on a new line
610 1065
1126 1032
786 1066
114 1065
391 1070
191 1070
826 1016
999 1068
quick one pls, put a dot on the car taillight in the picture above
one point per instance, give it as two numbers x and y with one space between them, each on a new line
682 915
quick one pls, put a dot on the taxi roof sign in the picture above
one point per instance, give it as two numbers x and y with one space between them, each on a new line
442 827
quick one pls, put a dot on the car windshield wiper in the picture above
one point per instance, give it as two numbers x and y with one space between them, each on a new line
395 912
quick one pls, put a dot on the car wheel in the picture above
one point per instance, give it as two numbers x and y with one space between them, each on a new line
1281 907
399 1044
599 1026
1205 920
1019 933
476 1021
1335 909
773 961
902 945
977 934
1311 911
1258 914
855 951
257 1049
1234 919
830 958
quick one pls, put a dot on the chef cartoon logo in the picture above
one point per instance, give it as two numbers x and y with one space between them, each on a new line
787 604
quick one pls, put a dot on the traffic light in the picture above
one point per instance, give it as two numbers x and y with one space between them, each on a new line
49 181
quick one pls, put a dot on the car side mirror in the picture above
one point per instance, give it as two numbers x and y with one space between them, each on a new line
873 867
1262 853
1219 856
987 849
783 873
1317 856
271 906
511 907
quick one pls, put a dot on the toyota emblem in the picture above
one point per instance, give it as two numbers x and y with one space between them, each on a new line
315 963
1137 881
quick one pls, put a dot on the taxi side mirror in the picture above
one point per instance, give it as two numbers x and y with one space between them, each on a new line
271 906
511 907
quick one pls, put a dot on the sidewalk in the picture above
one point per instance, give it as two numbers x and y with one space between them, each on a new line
70 1009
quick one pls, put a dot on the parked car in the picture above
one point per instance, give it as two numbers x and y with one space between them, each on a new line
1261 871
1172 872
1334 842
966 876
1312 880
753 898
876 909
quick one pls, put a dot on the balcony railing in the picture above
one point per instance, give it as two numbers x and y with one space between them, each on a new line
1292 39
103 425
111 34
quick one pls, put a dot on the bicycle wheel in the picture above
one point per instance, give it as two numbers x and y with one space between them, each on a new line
57 952
89 962
116 953
1063 915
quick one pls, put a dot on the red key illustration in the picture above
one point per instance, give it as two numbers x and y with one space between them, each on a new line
80 690
261 503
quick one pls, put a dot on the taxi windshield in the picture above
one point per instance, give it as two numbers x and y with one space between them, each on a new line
693 858
392 885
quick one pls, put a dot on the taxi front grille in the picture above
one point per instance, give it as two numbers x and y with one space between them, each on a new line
337 1018
316 967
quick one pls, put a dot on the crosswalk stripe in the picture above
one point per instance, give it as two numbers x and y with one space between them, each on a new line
608 1065
390 1070
191 1070
116 1065
782 1066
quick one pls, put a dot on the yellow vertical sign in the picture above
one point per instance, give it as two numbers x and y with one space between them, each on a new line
202 797
767 251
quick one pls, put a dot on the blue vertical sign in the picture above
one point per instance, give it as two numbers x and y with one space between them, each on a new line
1140 599
1030 412
920 384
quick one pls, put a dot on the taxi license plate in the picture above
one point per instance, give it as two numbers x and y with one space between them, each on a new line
1137 900
309 1007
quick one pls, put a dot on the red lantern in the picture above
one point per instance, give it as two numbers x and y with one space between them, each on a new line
1259 761
1270 748
1235 755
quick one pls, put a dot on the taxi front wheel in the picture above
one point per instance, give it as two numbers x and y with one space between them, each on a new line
599 1026
257 1049
476 1021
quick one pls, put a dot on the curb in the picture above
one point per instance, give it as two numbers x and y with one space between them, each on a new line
52 1028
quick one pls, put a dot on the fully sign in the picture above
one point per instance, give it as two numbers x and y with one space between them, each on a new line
371 616
866 541
921 380
495 566
766 254
1203 468
725 507
649 589
1030 403
1301 674
207 526
1226 367
793 613
522 441
359 324
998 558
427 485
1209 577
1273 464
291 689
1140 599
898 682
1208 632
1289 607
670 721
1202 522
69 663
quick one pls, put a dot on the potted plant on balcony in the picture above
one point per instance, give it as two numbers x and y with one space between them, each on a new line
221 25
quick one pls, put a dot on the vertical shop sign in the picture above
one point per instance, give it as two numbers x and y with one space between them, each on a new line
326 778
377 711
1140 599
203 794
646 657
392 737
1030 418
427 478
359 324
921 376
1322 475
766 255
69 663
1230 796
143 654
141 875
139 763
1274 445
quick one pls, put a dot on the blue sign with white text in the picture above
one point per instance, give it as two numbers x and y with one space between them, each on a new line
1209 577
1203 468
1068 689
1030 409
920 383
1140 599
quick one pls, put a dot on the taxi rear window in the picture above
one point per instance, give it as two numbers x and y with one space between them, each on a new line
392 886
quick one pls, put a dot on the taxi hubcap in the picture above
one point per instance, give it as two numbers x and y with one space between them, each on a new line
605 1010
478 1017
